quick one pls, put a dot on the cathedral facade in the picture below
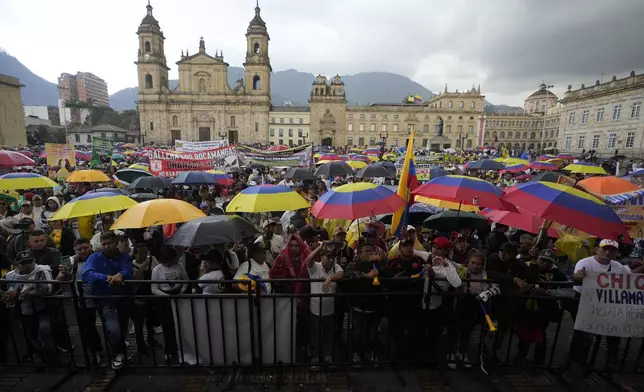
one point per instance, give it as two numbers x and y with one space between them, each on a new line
203 106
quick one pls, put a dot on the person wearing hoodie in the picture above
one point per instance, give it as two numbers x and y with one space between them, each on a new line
62 237
105 271
52 205
33 305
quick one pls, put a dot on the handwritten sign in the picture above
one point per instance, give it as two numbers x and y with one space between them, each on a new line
612 305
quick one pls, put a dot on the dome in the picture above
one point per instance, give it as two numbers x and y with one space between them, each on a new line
149 19
542 92
337 80
257 24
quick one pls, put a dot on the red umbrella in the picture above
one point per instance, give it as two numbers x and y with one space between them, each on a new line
521 220
465 190
11 159
278 148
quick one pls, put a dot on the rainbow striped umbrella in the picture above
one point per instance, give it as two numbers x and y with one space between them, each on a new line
585 168
140 166
371 151
519 220
267 198
360 158
14 181
538 165
566 155
545 157
94 203
222 177
515 169
465 190
353 201
568 206
329 157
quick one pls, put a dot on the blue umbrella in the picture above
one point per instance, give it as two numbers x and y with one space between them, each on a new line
485 164
194 178
437 172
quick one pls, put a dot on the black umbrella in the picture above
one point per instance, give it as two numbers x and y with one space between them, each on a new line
485 164
299 174
150 183
386 164
129 175
547 177
210 230
257 166
141 197
375 172
455 220
413 218
335 168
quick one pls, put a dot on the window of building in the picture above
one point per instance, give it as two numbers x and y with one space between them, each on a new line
148 81
361 141
595 143
600 114
448 129
280 142
509 135
502 135
584 116
395 127
458 142
373 116
361 129
571 118
272 119
290 132
630 139
460 117
471 118
271 132
567 142
256 47
617 110
582 140
175 121
281 121
151 126
395 117
349 127
148 47
300 132
425 128
533 135
103 135
461 105
362 117
470 129
232 121
349 141
459 129
427 117
383 128
635 110
257 84
449 117
611 140
77 138
372 127
469 143
525 135
372 141
281 133
256 127
89 138
301 120
290 121
450 104
351 116
473 105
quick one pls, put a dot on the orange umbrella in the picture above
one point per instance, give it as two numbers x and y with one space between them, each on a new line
607 185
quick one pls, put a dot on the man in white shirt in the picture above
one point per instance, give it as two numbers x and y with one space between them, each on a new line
256 265
273 242
603 261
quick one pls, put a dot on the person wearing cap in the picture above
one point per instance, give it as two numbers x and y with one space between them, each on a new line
27 211
604 261
36 200
273 242
409 233
33 305
5 211
346 252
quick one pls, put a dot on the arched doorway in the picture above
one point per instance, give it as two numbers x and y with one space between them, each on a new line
327 141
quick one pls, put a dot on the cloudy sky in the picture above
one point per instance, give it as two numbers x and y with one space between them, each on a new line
508 46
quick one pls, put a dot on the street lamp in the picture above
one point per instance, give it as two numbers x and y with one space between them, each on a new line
304 136
462 138
543 128
383 139
223 136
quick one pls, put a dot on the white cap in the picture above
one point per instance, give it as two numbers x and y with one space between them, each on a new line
410 227
612 243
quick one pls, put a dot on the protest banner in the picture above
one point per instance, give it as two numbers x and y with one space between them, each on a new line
60 155
168 163
101 151
218 331
612 305
186 146
298 156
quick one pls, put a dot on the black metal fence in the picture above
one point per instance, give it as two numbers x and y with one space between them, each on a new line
348 328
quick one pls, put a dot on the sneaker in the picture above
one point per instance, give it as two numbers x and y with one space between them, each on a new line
158 330
131 329
118 361
356 360
466 361
65 348
451 361
314 364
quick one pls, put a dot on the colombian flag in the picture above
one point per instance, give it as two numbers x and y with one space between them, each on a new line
408 182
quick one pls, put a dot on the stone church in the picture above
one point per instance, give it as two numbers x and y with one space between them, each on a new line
203 106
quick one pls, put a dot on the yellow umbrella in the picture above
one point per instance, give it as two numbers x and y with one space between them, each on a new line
513 161
357 164
445 204
129 145
373 158
267 198
585 168
94 203
157 212
128 152
14 181
88 176
140 166
316 155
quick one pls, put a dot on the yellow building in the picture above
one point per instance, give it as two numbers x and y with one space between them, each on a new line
289 125
12 118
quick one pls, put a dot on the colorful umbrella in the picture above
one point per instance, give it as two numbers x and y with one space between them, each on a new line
371 151
637 173
464 190
362 158
88 176
607 185
513 161
221 177
566 156
546 166
140 166
449 205
9 159
330 157
390 157
93 204
118 157
515 169
585 168
157 212
357 164
545 157
485 164
568 206
267 198
15 181
358 200
277 148
435 172
520 220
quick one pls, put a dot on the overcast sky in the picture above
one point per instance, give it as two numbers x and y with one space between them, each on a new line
508 46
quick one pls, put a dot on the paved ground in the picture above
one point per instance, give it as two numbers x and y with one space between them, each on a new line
301 379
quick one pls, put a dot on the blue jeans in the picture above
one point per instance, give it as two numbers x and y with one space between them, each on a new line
321 330
364 331
41 336
112 322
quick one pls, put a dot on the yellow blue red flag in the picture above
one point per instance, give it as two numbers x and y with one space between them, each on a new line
408 182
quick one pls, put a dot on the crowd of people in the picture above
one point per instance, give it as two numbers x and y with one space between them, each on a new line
401 283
